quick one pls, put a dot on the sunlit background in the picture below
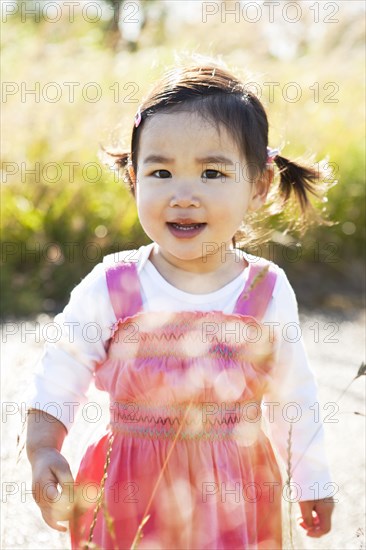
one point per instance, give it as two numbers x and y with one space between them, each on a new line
74 73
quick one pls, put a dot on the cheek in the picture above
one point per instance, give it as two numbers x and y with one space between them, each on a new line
232 203
150 195
143 208
147 207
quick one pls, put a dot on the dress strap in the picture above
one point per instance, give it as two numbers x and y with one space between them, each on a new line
124 288
258 289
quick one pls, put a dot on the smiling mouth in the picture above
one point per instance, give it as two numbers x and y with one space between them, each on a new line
185 230
186 226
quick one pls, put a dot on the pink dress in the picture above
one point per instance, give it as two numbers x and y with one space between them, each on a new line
184 444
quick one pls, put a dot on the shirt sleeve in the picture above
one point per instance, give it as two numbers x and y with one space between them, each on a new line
289 402
81 334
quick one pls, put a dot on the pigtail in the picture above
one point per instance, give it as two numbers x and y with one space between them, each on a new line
118 161
297 181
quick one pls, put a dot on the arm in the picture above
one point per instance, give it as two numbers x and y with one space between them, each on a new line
66 368
64 374
293 382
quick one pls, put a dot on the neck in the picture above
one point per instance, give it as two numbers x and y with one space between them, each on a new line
212 263
194 279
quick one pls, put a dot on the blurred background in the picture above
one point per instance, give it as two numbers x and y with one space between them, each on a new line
73 76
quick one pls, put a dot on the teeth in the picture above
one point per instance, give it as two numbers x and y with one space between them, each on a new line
186 227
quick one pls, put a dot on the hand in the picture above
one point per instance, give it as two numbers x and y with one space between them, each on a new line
50 469
316 516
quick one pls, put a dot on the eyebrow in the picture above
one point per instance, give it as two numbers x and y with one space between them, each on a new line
150 159
215 159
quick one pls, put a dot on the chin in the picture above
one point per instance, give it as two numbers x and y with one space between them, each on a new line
188 255
194 253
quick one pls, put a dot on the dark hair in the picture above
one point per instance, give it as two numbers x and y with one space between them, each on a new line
223 99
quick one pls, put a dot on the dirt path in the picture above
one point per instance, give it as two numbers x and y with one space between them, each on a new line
336 348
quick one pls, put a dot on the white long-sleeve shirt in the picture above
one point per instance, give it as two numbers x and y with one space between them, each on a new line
67 365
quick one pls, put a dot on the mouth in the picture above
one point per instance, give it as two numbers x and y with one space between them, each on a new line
186 226
185 229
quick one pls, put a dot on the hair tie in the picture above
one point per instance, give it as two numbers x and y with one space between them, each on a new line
272 154
138 117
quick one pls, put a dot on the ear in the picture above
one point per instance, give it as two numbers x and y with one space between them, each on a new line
260 189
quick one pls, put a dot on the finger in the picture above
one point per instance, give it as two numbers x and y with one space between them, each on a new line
316 531
44 484
323 518
62 473
60 510
49 494
314 534
54 505
302 523
51 521
45 491
306 515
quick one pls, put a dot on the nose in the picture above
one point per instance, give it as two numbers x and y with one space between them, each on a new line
184 197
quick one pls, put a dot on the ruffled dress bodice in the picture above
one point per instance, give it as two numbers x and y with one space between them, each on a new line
184 443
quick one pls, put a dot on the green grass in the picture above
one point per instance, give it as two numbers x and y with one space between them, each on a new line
38 211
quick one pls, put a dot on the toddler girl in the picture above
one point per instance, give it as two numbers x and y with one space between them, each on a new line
197 346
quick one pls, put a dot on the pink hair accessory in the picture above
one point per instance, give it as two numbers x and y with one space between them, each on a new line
272 154
138 117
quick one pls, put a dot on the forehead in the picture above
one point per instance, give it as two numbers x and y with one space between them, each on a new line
185 130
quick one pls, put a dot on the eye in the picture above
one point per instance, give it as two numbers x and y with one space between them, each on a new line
212 174
165 175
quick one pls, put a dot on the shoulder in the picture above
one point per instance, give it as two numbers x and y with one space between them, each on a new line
121 257
283 295
96 278
259 264
283 289
130 262
92 285
282 282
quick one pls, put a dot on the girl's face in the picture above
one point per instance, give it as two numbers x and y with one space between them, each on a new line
192 189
